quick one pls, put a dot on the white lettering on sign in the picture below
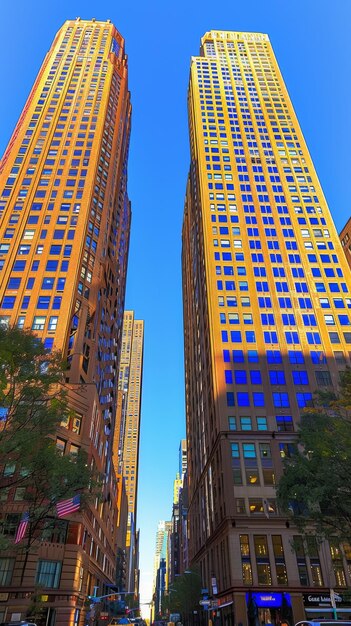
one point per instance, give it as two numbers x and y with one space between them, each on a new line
321 598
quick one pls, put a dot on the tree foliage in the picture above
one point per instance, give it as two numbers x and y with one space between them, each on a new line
33 404
184 595
315 489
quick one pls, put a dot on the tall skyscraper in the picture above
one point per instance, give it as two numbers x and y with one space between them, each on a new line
266 320
64 237
127 432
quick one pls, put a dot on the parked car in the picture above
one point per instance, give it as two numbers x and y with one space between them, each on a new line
119 621
324 622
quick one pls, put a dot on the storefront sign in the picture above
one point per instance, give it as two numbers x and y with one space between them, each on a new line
269 600
323 599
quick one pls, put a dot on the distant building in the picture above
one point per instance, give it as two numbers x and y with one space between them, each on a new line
345 238
182 458
176 566
161 564
127 432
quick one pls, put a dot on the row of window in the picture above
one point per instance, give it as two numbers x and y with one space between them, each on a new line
271 337
47 575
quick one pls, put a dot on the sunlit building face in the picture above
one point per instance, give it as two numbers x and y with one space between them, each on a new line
266 291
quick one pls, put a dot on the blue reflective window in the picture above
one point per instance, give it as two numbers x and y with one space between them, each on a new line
235 336
284 423
8 302
300 377
258 398
230 398
238 356
338 303
292 337
59 234
280 399
318 358
43 302
274 356
320 287
277 377
48 283
19 266
13 283
240 377
313 338
267 319
243 398
255 376
224 334
250 336
48 343
304 399
252 356
228 377
270 336
55 250
51 266
295 356
288 319
56 304
309 320
226 356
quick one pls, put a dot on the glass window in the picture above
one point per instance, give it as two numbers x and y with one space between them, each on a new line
284 423
8 302
262 423
235 451
249 451
246 423
6 570
38 323
48 573
232 423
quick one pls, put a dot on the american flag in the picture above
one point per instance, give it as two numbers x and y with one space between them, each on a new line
65 507
22 527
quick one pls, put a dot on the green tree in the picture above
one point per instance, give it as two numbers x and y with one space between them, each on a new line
315 489
33 403
184 595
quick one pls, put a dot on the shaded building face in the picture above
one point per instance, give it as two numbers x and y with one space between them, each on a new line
64 236
266 293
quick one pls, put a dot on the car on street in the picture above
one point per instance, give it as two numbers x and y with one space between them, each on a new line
324 622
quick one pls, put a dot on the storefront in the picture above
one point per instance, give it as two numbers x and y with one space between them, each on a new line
321 605
272 608
225 611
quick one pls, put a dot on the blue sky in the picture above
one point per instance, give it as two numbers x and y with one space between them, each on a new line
312 43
